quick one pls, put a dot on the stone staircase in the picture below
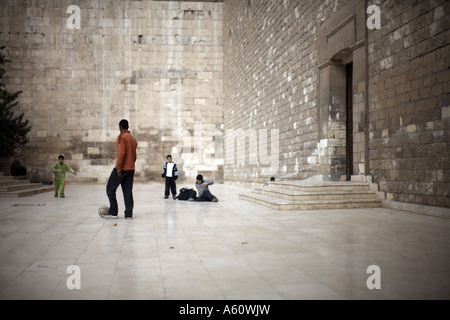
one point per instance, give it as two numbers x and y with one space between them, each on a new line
315 194
13 187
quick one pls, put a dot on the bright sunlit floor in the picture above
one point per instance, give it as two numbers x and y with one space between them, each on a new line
231 249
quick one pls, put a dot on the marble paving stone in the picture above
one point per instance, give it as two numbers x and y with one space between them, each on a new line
227 250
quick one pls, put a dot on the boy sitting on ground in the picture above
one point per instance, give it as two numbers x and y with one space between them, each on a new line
203 192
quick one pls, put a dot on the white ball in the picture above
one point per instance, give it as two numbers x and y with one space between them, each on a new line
103 210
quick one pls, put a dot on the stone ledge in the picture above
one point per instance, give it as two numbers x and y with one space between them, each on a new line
440 212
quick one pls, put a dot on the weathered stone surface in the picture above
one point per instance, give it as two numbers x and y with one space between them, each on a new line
156 63
284 69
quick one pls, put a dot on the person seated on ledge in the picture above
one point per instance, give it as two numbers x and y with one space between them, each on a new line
272 179
17 169
203 192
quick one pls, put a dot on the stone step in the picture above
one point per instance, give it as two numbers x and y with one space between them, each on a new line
13 187
294 195
3 177
317 194
321 187
18 186
282 204
37 188
12 180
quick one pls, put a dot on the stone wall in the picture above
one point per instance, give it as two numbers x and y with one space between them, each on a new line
271 81
409 119
284 68
156 63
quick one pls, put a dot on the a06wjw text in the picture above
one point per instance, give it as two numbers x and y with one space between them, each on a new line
251 310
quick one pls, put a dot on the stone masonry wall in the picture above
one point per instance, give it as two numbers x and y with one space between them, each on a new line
401 119
156 63
270 83
409 61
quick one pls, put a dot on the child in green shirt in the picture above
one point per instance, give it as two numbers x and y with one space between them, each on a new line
59 170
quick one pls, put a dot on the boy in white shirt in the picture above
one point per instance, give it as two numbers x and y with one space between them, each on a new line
170 172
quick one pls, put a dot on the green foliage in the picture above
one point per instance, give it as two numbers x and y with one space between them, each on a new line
13 128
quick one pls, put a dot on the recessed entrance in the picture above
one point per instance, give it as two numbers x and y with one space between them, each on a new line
349 120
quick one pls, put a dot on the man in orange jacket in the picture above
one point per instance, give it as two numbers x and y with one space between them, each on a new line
123 172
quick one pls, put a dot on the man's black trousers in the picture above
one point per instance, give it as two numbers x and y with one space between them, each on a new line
126 182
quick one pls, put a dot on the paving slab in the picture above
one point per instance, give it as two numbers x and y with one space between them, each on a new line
232 249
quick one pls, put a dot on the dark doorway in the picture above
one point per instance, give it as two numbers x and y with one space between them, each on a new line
349 119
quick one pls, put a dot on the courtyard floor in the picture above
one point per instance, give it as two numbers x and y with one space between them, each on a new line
229 250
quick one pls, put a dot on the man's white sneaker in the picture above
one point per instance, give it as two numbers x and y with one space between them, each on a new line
108 216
